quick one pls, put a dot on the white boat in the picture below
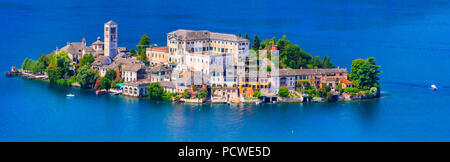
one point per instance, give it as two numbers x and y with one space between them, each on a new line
70 95
433 87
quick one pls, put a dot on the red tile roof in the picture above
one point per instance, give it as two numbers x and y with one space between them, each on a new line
160 48
346 81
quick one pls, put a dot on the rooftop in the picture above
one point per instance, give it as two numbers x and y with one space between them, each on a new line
291 72
183 34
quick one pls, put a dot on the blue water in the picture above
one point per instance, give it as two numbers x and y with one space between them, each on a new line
410 40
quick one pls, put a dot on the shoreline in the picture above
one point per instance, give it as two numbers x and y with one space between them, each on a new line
205 102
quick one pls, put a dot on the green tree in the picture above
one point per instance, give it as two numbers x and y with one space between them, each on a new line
42 63
133 52
258 94
187 93
327 63
202 93
62 60
110 74
239 34
114 85
143 44
364 73
256 43
105 83
283 92
54 74
155 91
86 76
87 59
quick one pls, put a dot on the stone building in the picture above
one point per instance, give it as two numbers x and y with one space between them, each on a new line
181 42
158 55
135 88
111 36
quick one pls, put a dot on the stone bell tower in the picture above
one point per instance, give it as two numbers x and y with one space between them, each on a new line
110 39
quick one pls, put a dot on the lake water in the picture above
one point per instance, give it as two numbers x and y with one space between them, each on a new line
410 40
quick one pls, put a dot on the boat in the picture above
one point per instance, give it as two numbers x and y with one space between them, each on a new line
433 87
70 95
101 91
115 91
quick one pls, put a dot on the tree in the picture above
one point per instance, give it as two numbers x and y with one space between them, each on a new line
292 56
142 45
283 92
258 94
364 73
110 74
105 83
87 59
239 34
256 42
86 76
327 63
155 91
202 93
29 64
187 93
133 52
246 36
62 60
42 63
54 74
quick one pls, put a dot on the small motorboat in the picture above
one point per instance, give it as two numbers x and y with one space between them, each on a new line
433 87
70 95
101 91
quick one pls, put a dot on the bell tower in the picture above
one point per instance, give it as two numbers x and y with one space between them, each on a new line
110 39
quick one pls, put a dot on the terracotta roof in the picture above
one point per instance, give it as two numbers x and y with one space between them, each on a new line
346 81
110 22
274 48
186 73
160 48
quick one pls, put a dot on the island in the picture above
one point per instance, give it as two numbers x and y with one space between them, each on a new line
199 66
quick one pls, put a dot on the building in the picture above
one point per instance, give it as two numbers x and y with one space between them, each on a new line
158 55
160 73
345 83
293 78
76 50
135 88
98 47
182 42
111 36
133 72
101 61
168 86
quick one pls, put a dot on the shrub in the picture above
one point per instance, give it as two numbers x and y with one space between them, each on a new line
351 90
258 94
283 92
105 84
